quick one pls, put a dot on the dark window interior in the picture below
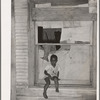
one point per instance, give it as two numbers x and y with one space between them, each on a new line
49 35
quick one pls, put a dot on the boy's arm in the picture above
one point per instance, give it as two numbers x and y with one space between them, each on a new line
58 74
45 72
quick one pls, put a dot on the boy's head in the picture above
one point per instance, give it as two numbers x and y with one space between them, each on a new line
53 60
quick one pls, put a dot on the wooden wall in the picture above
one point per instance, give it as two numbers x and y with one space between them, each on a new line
21 37
24 41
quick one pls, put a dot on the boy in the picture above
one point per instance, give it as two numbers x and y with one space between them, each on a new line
51 73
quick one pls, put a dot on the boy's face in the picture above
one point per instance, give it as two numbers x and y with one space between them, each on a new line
53 62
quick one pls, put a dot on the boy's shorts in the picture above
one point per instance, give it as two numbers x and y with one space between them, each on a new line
52 78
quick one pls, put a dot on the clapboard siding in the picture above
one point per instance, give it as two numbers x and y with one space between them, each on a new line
23 3
22 51
20 13
21 33
21 37
20 25
22 76
21 44
21 68
21 19
21 60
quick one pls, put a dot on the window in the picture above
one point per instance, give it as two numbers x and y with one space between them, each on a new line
71 41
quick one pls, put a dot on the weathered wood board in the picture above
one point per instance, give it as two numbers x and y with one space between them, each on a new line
63 14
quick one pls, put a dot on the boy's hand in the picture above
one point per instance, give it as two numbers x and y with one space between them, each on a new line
58 78
45 72
49 76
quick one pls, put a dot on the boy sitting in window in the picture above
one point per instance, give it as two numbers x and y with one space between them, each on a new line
51 73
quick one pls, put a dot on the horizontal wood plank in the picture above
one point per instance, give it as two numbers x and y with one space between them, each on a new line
21 38
22 81
21 4
26 51
22 73
61 2
19 7
21 10
62 14
21 68
21 35
20 1
21 14
37 92
19 31
24 24
21 27
21 54
21 65
21 47
21 19
22 60
21 43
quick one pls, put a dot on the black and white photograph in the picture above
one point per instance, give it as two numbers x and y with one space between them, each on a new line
54 50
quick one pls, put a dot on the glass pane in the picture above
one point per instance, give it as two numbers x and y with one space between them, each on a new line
74 63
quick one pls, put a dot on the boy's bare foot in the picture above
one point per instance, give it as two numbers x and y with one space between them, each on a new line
45 95
57 90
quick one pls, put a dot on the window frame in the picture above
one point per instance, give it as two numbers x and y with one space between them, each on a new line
37 44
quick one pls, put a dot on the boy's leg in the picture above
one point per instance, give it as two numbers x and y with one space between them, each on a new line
56 84
47 80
